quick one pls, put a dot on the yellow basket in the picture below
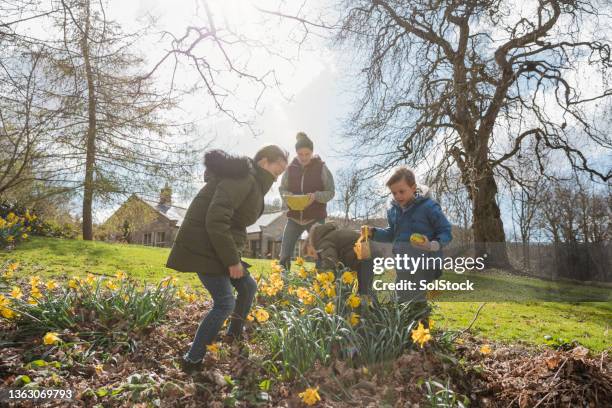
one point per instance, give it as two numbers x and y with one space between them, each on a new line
297 202
362 246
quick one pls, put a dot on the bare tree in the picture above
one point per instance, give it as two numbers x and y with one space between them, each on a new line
358 197
466 83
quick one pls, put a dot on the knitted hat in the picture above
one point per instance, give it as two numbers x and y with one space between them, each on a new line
303 141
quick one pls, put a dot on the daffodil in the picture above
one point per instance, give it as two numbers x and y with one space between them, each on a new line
16 292
485 349
120 275
431 323
170 280
99 369
421 335
111 285
348 277
90 279
24 236
330 290
302 273
354 301
13 267
51 338
35 293
261 315
73 284
330 308
213 348
7 313
310 396
51 284
35 281
354 319
192 297
3 301
299 261
250 317
32 301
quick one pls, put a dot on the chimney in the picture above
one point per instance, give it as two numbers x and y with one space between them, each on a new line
165 196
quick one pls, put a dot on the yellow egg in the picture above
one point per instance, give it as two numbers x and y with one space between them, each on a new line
418 238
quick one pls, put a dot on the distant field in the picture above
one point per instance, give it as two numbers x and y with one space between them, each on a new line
525 321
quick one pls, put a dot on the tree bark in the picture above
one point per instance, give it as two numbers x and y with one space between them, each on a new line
489 235
88 187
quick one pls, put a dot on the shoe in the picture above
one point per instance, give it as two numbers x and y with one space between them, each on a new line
189 367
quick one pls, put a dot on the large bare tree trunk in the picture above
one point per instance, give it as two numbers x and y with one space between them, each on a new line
489 235
88 188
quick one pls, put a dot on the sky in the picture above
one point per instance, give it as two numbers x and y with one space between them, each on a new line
310 97
314 93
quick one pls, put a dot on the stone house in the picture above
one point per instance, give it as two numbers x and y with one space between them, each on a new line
265 236
145 222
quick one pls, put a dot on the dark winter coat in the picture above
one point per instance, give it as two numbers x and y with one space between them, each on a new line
335 245
213 232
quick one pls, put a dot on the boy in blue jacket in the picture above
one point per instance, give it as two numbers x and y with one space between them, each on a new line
412 213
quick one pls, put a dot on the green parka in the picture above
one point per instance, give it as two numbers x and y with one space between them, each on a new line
335 245
213 233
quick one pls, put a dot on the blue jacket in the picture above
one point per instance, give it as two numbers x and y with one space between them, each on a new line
423 216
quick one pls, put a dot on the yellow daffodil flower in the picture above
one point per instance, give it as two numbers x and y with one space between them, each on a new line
348 277
51 338
51 284
353 301
35 281
299 261
261 315
310 396
7 313
421 335
485 349
330 308
354 319
213 348
16 292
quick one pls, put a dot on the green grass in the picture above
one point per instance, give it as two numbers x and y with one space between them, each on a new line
525 321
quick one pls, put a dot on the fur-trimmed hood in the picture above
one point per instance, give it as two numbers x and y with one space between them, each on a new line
223 164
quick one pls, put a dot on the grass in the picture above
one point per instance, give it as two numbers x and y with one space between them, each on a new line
521 321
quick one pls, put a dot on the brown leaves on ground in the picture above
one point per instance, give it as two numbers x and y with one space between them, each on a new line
505 376
516 376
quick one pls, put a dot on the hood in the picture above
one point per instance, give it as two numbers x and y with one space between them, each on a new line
223 164
320 231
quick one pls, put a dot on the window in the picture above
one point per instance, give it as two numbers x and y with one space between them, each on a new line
160 238
146 240
256 246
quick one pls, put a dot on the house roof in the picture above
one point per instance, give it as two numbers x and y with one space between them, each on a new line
263 221
171 212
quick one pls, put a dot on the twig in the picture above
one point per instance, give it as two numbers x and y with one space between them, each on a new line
473 320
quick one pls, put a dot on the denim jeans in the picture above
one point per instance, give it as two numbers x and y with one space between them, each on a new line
421 274
291 234
224 305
